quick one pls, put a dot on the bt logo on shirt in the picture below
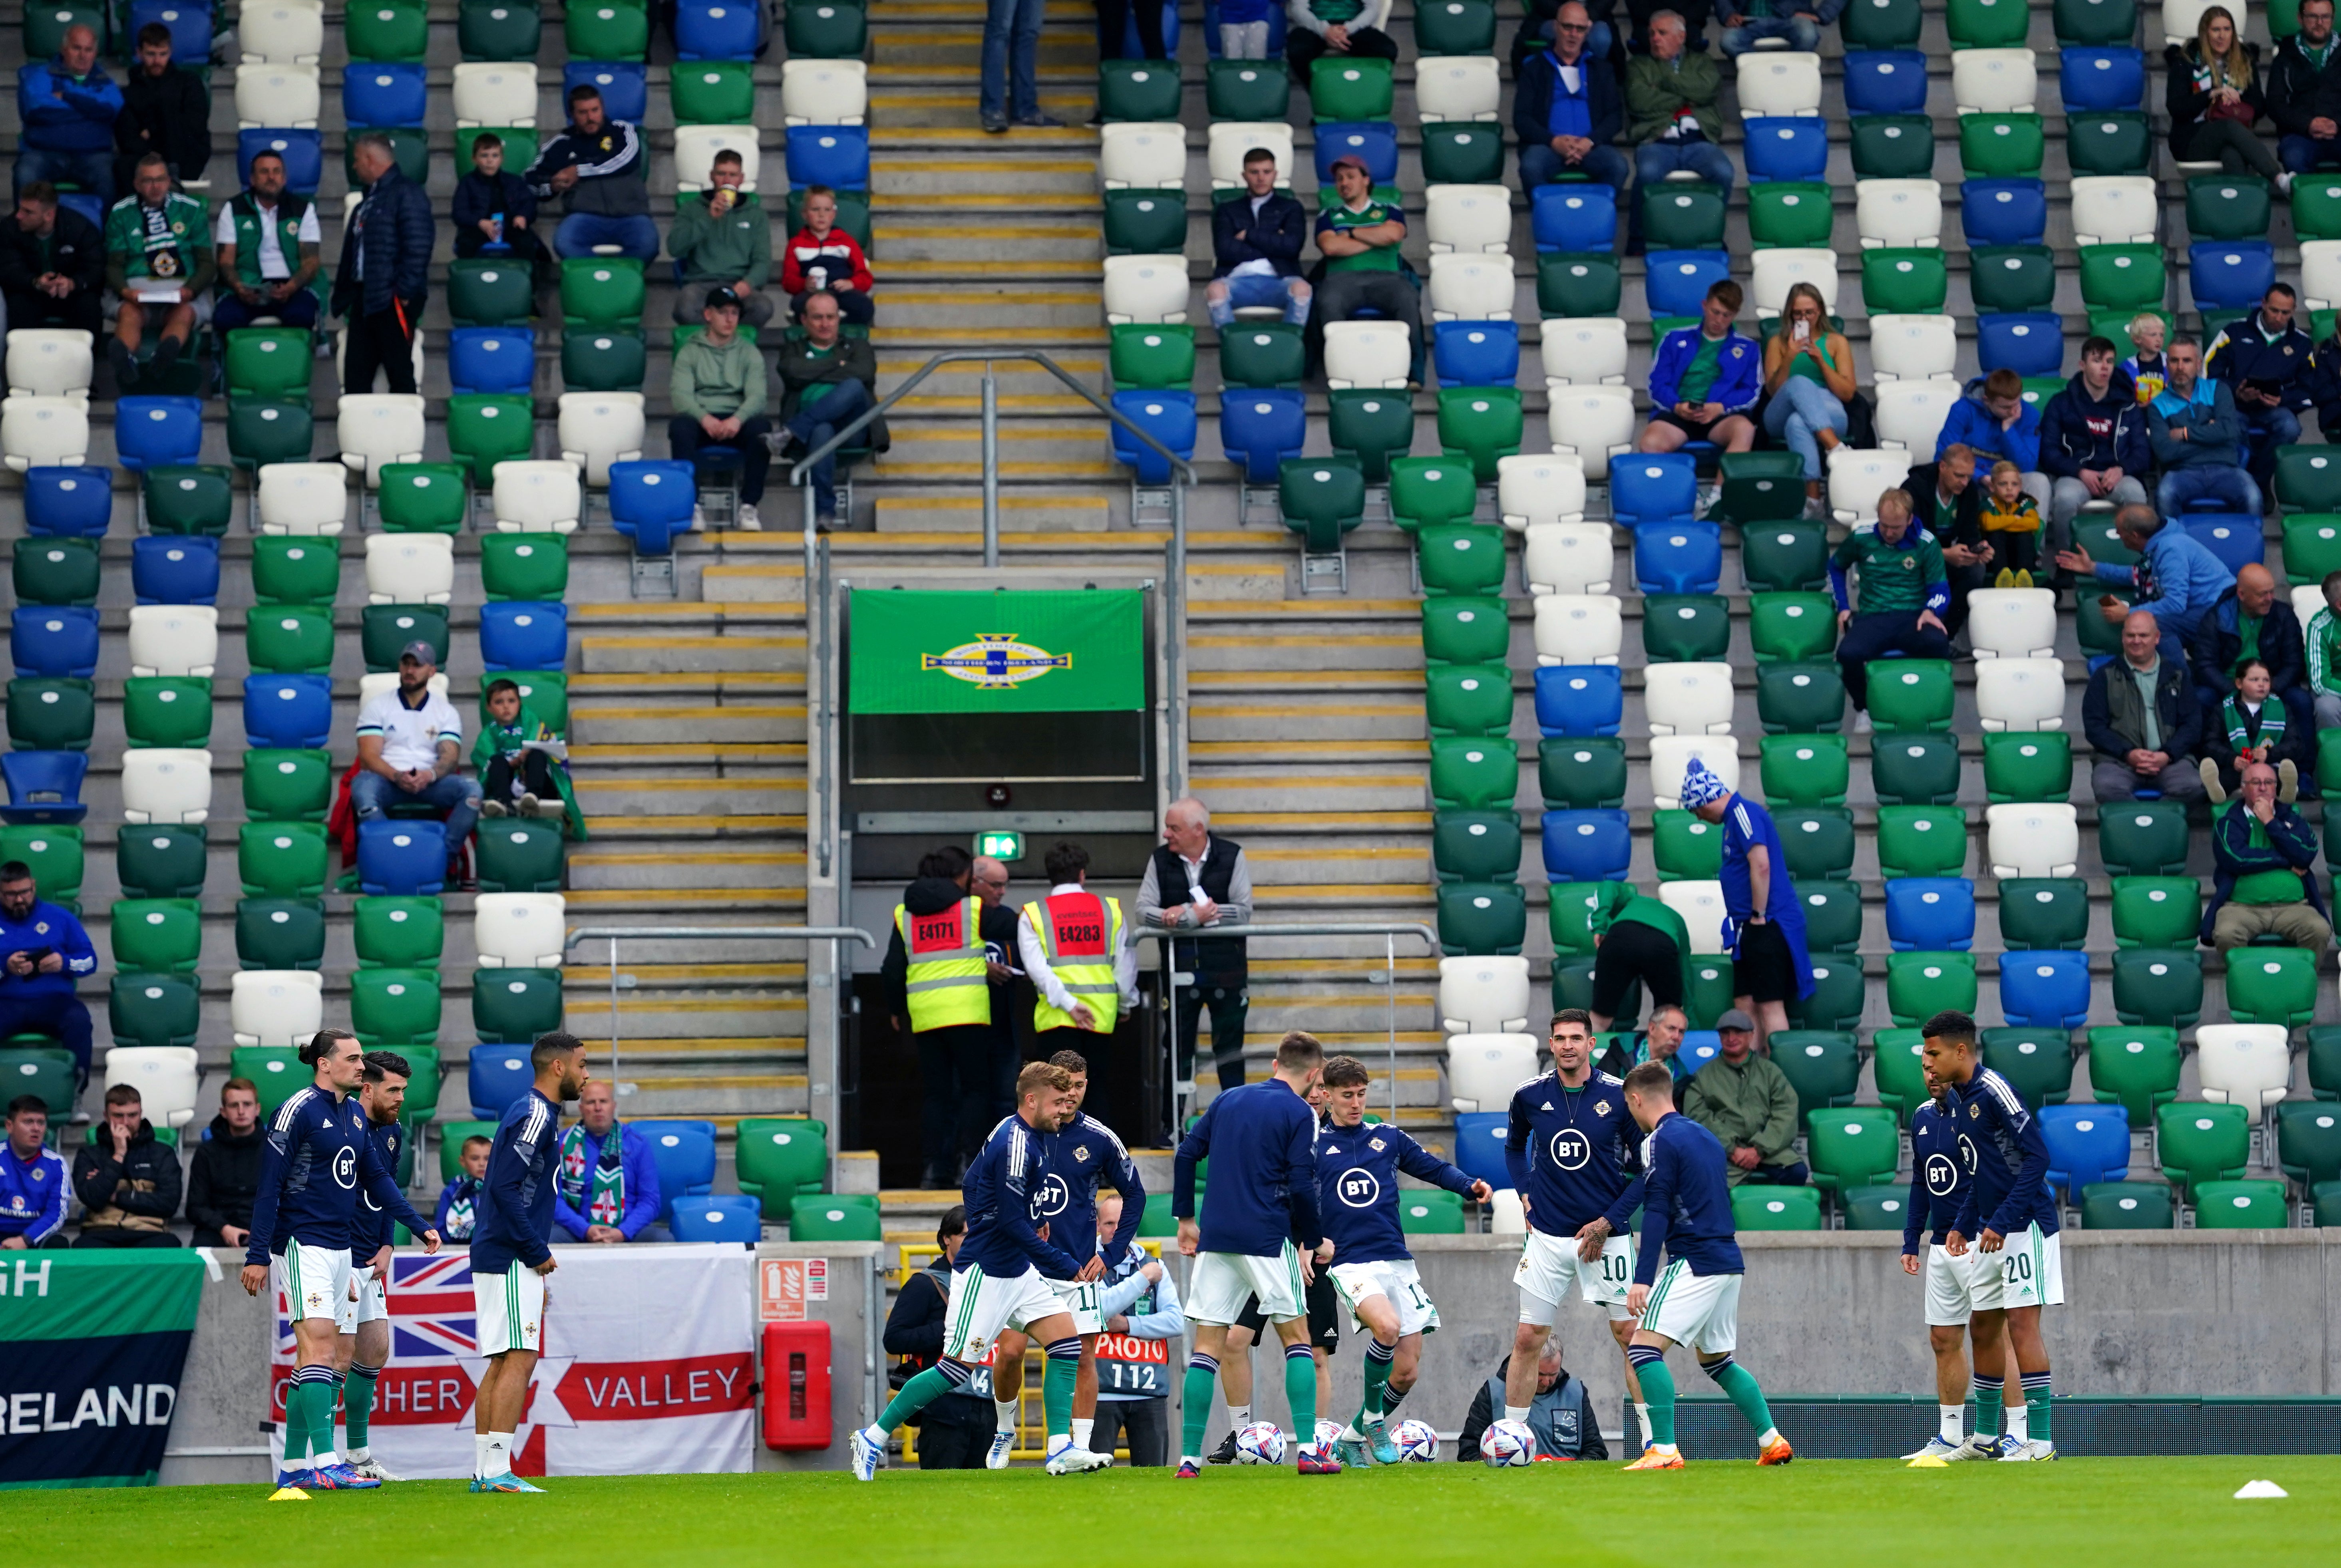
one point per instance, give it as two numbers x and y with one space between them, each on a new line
1571 1149
1052 1196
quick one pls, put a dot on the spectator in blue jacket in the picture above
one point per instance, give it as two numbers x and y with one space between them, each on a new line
609 1184
67 107
2178 582
2197 440
385 270
1706 379
1993 420
45 953
2093 443
1256 240
1566 109
2268 366
33 1179
1799 21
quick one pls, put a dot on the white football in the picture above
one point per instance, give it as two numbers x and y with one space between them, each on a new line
1507 1443
1418 1442
1261 1443
1327 1434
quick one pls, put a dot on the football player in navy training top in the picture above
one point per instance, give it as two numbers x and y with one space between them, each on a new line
1358 1168
1687 1212
2009 1215
365 1347
316 1161
1574 1154
1942 1165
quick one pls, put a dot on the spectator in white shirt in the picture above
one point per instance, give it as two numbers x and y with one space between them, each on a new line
259 274
409 745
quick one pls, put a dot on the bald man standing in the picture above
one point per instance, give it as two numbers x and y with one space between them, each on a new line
1194 880
2253 621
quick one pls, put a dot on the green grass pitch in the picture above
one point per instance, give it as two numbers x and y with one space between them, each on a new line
2101 1512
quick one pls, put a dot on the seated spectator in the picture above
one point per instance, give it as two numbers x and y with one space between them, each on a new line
47 952
225 1179
1672 116
2141 716
2263 880
267 241
1808 378
384 273
822 256
1799 21
2267 363
595 167
1946 502
2251 619
1567 110
2186 577
33 1179
1256 240
494 211
1904 593
954 1429
1747 1103
1243 28
458 1200
53 265
65 110
158 258
1994 423
2213 94
2197 440
2322 642
1660 1041
2011 518
722 238
164 110
1358 237
1315 28
1561 1414
127 1179
2148 372
827 382
522 762
1139 1300
2093 443
1535 32
1705 380
2253 724
608 1189
717 391
2303 95
1636 937
409 751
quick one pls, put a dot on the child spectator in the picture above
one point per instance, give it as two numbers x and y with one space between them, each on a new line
2255 728
1243 28
495 212
2145 368
459 1201
823 256
2015 518
520 759
2324 639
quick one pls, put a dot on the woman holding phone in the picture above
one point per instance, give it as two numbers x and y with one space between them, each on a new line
1807 377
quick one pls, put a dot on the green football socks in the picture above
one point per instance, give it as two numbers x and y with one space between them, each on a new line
1986 1392
1740 1387
1057 1390
1377 1371
2036 1404
1301 1389
1195 1404
357 1403
1658 1393
916 1395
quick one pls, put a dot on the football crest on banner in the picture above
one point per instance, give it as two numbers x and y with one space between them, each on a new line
996 660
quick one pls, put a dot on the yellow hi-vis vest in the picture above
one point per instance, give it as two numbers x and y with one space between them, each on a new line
947 983
1080 935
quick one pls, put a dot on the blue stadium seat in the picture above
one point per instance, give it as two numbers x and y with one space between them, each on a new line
2236 540
1885 82
87 204
70 502
190 27
1787 147
384 94
1133 49
837 156
2086 1143
686 1158
650 1126
53 640
157 432
2229 274
1698 1048
1374 141
497 1076
1588 846
1475 354
491 359
1653 487
167 569
1580 699
651 502
2091 79
624 85
2045 988
1479 1146
288 712
717 29
402 856
523 635
1675 282
1259 427
1168 417
303 153
43 786
2004 211
1574 217
717 1216
1930 914
1678 556
2029 342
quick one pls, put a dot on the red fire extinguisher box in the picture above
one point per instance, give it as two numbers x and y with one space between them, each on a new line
796 1385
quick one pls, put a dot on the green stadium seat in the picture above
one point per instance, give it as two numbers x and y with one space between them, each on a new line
56 570
1987 23
384 629
52 713
452 1136
1893 146
1455 27
2196 1142
1873 1207
1896 1070
828 1216
276 1071
1568 914
1823 1066
1466 559
2157 911
1140 90
421 497
1790 212
393 1009
621 30
288 786
2098 22
520 855
1908 694
1581 773
1246 90
1790 628
2307 478
603 359
2136 1067
1832 915
545 692
280 933
1473 775
1158 1224
2109 141
289 638
489 291
1482 916
496 30
2012 278
283 860
2123 277
1769 487
1370 425
2044 912
512 1007
1424 491
1155 356
1461 152
1251 353
160 860
2325 1200
2143 838
2029 766
398 932
1321 499
2227 207
1686 627
2036 1063
782 1158
1145 223
45 1071
2157 985
1683 216
1475 846
260 433
1783 562
1572 986
2126 1205
2311 542
602 291
2241 1206
167 711
2272 985
1916 768
1921 841
1430 1211
1578 284
1839 993
153 1009
1799 699
53 852
2308 1141
391 32
45 26
1816 841
1340 88
1918 985
1469 699
1805 769
2002 146
1685 848
1755 1207
1881 25
158 935
1901 281
1465 631
2323 1051
715 93
1711 986
525 566
1857 1146
188 499
1480 425
295 570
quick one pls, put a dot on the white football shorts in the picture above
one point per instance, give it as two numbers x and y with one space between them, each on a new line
316 1284
1396 1279
1550 1265
982 1304
1950 1287
511 1308
2028 1271
1223 1281
1701 1311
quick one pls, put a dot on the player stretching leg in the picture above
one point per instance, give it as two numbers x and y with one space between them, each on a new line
362 1355
1082 1154
1571 1149
1260 1226
317 1160
1001 1279
509 1255
2010 1212
1357 1169
1687 1211
1942 1165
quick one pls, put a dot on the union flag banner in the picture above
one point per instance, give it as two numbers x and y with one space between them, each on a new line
649 1366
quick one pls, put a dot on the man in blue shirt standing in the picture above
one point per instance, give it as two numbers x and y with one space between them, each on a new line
1764 930
46 951
2178 582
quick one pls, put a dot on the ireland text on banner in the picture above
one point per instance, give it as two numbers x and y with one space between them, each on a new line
1006 652
92 1345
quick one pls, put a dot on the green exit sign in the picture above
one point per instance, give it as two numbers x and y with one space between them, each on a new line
1003 846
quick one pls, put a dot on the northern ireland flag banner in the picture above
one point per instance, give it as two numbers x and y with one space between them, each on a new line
649 1367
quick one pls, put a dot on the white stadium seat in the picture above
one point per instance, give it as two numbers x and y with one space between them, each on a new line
1568 557
1579 628
1900 212
275 1007
2320 274
2031 840
2115 209
2012 623
1688 699
164 1077
1910 414
277 96
1468 218
1360 353
1591 423
695 147
165 784
1452 87
519 930
1467 287
1780 82
1670 758
1483 996
291 32
378 428
1772 273
1857 478
1482 1070
1150 289
1507 1216
2018 693
1532 489
174 640
1141 155
373 686
1914 348
44 432
598 429
1583 351
536 497
414 568
1231 139
2307 601
302 498
1995 80
495 92
822 91
1701 906
50 362
2248 1065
